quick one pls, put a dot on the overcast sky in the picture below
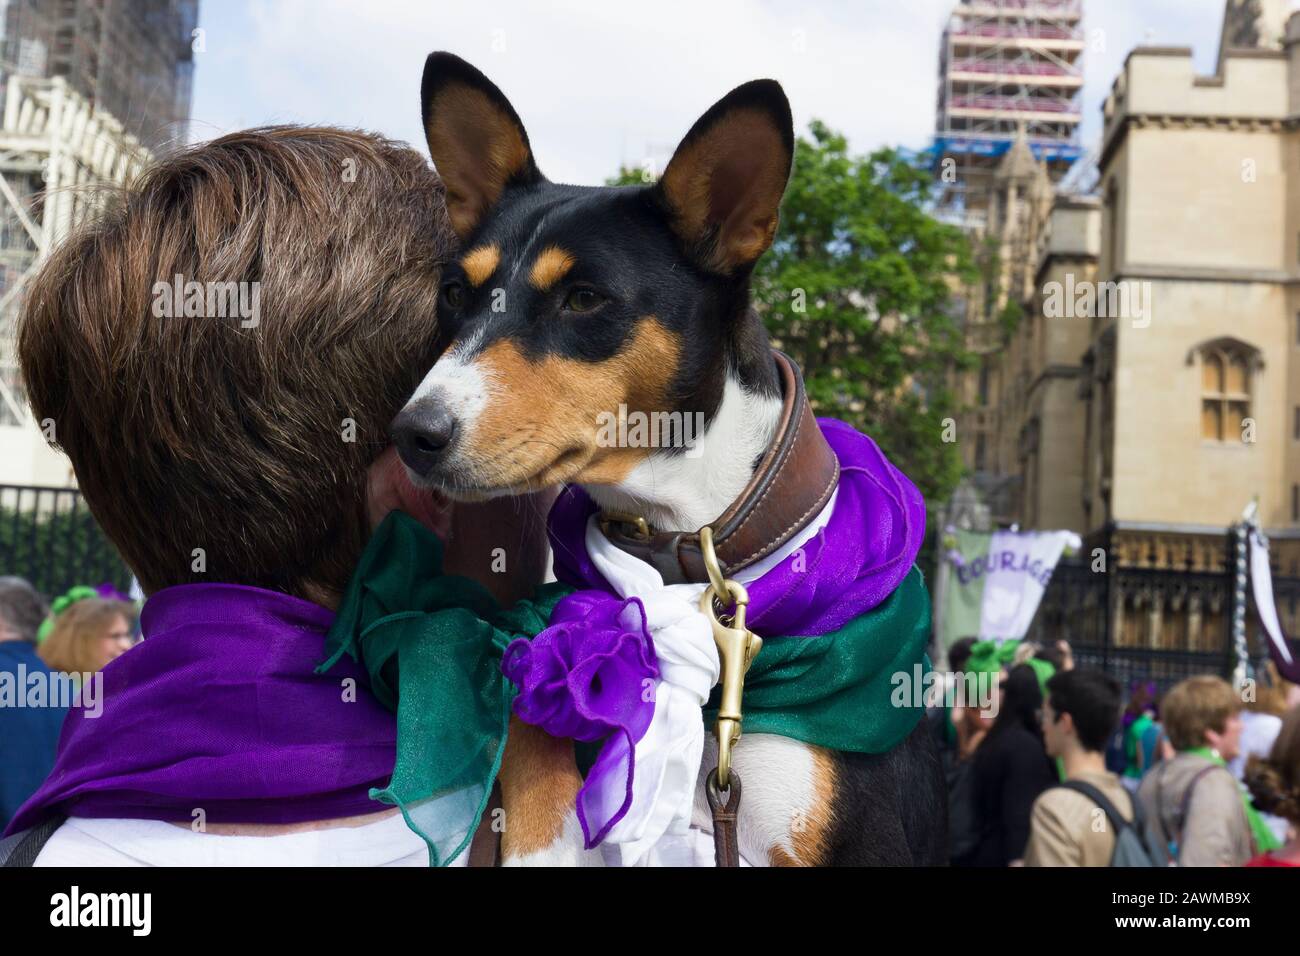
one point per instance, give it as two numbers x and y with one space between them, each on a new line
599 82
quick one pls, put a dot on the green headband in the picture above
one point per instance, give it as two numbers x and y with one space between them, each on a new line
74 594
989 657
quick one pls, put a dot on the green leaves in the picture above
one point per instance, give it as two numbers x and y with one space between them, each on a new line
857 289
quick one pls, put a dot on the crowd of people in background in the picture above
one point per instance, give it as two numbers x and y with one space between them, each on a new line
1061 770
77 635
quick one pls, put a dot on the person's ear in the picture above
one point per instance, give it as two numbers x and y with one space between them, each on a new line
476 140
1214 737
724 184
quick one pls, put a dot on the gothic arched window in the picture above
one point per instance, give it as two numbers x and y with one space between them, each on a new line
1228 369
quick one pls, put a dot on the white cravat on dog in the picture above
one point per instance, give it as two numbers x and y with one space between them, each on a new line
656 829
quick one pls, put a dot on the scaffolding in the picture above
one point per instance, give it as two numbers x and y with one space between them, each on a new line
90 90
59 157
1006 66
131 58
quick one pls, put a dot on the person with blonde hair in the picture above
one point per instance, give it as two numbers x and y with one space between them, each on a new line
1195 812
1274 782
87 635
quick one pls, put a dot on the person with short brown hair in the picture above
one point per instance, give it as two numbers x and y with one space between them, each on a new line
244 438
220 354
1194 810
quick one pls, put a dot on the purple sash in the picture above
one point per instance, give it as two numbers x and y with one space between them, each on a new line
219 709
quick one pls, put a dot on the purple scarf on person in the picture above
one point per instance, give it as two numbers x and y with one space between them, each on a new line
848 567
220 710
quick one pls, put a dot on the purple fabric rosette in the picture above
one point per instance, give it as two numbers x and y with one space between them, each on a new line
590 676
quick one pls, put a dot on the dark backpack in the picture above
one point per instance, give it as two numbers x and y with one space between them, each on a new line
1130 846
25 846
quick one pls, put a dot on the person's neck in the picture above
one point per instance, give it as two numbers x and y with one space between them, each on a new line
1079 762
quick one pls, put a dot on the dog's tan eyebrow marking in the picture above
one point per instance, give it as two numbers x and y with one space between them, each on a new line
549 268
480 263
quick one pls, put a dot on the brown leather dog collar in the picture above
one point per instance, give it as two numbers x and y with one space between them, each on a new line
789 488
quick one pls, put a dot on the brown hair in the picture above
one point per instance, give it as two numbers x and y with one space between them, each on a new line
1196 705
250 443
70 646
1275 782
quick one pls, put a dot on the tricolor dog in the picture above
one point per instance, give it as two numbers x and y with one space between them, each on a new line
568 304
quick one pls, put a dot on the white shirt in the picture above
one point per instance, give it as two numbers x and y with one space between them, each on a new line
86 842
1258 733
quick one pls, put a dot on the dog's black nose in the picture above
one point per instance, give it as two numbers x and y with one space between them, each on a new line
421 432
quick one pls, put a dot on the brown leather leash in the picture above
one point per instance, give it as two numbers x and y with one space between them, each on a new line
789 488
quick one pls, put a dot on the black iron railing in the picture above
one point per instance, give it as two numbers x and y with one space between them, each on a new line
48 536
1155 625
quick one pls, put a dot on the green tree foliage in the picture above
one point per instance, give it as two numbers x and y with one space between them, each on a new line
857 288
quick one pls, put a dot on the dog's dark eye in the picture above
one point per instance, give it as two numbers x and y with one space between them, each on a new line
453 293
583 300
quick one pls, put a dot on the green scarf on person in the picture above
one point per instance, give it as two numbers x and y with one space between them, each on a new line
1265 839
432 645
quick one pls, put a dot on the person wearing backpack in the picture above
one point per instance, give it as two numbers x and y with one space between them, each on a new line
1196 813
1077 822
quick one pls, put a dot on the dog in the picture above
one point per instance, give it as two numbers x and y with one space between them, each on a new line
635 298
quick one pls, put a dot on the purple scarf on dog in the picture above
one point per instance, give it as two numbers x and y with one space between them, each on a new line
220 710
847 568
852 565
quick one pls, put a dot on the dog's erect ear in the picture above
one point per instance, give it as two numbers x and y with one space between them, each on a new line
475 138
724 184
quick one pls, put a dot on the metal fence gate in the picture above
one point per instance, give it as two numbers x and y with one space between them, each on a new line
1143 624
48 536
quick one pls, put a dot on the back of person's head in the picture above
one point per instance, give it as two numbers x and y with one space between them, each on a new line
1193 706
1274 781
22 609
1092 698
72 645
1022 699
959 653
223 433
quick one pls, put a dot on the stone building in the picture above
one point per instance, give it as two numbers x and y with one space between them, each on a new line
1151 388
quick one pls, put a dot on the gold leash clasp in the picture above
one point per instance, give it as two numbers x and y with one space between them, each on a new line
737 648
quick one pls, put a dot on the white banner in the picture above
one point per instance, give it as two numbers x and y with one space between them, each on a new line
1261 577
1017 570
